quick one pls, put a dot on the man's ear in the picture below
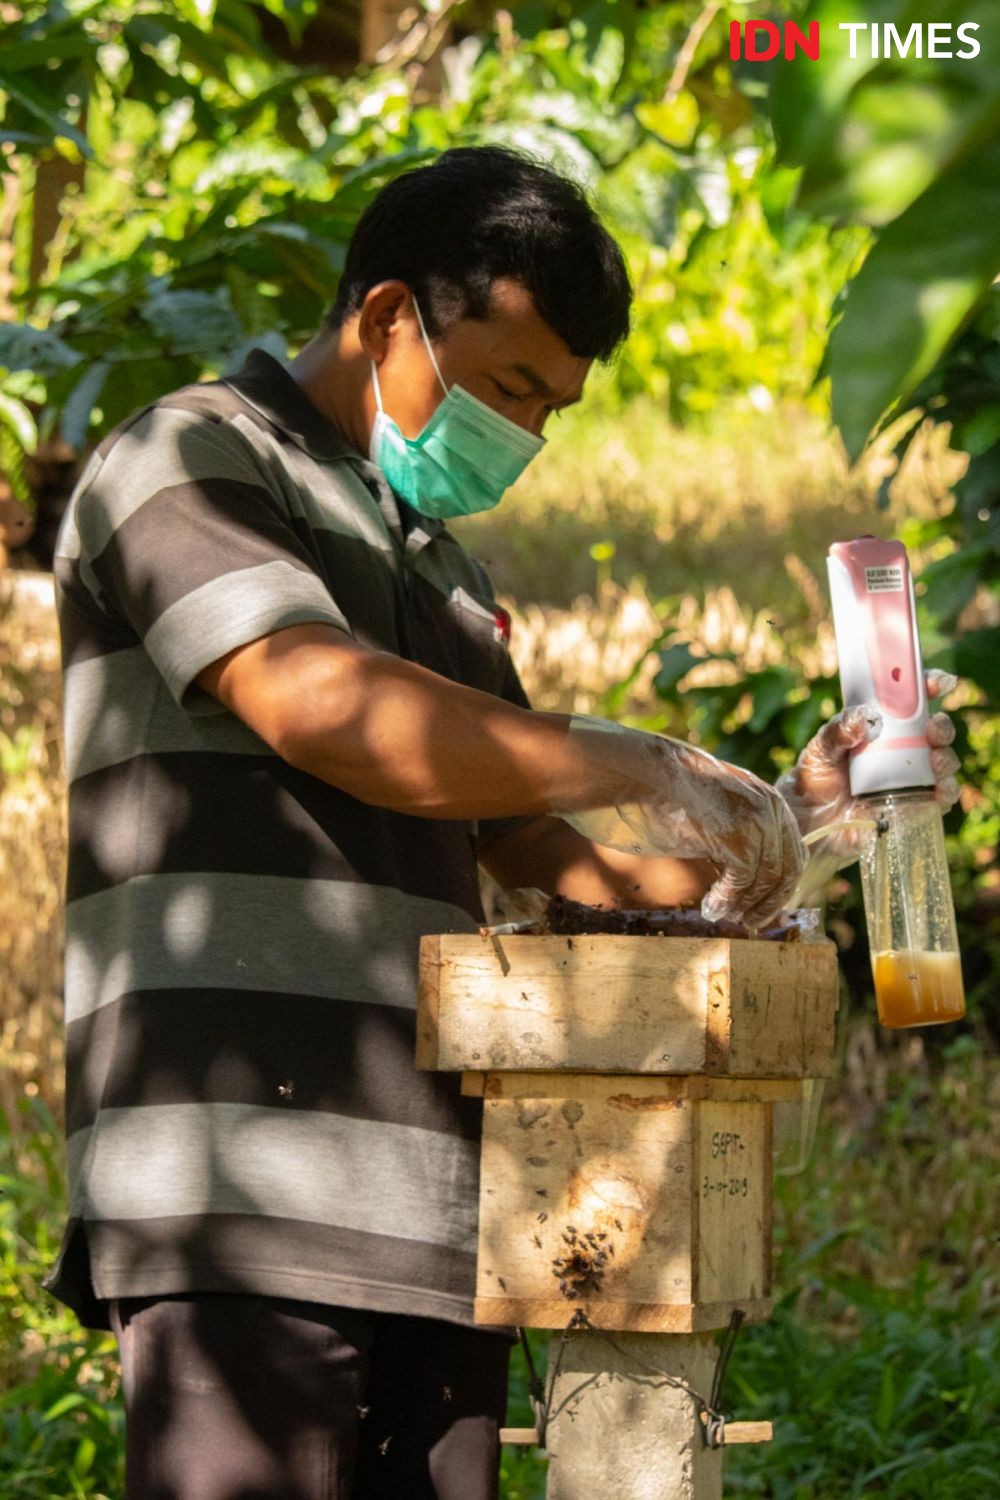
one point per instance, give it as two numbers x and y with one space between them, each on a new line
386 307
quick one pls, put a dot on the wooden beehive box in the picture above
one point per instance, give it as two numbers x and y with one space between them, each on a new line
629 1085
736 1008
643 1201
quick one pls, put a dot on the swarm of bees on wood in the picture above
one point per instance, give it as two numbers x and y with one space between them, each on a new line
580 1269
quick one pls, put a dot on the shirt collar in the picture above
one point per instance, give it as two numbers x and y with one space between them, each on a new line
266 385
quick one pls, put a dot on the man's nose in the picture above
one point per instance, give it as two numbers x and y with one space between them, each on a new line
536 419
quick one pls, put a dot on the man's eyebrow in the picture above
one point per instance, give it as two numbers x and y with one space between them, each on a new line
539 386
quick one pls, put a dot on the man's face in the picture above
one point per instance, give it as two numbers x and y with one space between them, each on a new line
512 361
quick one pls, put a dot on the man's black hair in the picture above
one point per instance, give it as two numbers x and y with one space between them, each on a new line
478 213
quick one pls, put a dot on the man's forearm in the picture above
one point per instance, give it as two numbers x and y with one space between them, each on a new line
394 734
414 741
551 856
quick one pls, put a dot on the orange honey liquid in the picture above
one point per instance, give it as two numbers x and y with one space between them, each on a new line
918 989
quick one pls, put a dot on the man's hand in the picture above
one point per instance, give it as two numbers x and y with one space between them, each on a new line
818 790
666 797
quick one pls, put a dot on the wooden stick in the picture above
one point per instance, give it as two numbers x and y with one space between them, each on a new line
736 1432
749 1432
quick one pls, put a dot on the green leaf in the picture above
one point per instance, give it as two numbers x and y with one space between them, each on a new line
83 1460
45 50
980 432
192 322
37 349
874 133
75 416
15 415
675 662
778 188
979 486
44 108
977 656
949 584
66 1403
712 707
253 309
923 278
770 690
807 99
802 720
12 464
879 132
886 1399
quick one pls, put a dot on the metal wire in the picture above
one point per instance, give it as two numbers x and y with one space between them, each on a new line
713 1419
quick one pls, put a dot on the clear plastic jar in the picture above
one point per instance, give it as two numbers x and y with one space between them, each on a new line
909 909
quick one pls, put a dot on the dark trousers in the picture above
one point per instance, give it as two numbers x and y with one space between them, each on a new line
239 1397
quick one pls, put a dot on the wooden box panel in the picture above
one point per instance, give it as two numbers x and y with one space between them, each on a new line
627 1005
637 1199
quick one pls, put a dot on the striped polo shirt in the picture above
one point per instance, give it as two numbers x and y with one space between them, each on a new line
243 1111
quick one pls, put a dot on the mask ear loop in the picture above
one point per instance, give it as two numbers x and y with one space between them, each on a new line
378 389
427 343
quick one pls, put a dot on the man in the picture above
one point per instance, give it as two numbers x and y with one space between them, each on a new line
293 728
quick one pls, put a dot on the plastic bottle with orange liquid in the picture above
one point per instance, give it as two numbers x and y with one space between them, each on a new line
904 869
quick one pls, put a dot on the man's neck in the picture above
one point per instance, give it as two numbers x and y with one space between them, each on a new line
335 385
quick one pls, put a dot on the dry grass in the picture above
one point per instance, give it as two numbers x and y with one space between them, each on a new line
687 510
32 845
568 658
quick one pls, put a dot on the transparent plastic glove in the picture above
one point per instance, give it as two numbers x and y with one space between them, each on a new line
818 789
670 798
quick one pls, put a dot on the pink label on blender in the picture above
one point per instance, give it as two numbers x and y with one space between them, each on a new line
887 580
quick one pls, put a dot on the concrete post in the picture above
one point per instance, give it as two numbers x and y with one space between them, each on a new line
618 1432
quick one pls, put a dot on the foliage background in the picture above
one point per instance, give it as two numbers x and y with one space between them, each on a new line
815 250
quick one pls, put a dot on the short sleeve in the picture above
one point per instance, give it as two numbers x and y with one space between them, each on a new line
183 540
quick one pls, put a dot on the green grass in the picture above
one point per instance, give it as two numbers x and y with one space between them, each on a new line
60 1417
901 1403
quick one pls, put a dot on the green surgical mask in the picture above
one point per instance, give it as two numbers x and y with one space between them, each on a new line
462 460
